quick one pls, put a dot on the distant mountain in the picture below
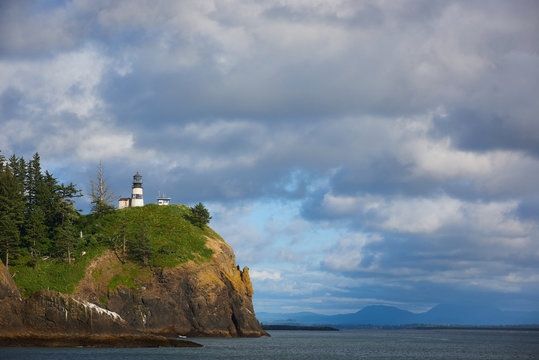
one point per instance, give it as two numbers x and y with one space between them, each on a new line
378 315
452 314
375 315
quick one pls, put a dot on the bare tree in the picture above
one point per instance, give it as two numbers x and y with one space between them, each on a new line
102 197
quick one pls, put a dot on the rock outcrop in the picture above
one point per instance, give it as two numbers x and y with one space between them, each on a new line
8 288
52 312
208 299
11 303
51 319
211 298
49 312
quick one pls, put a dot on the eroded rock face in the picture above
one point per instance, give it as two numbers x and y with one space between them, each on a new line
8 288
10 303
212 299
49 312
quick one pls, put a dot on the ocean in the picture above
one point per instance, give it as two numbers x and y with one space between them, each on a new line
310 345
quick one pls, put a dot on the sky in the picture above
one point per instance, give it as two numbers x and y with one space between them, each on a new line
352 153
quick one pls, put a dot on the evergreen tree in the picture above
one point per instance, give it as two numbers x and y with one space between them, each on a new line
66 239
139 247
34 177
116 236
35 233
48 199
200 216
11 212
102 196
18 169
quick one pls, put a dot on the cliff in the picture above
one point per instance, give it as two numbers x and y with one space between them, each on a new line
190 284
11 303
49 312
211 298
51 319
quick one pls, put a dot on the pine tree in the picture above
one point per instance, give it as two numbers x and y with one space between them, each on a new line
11 212
18 169
34 177
66 239
35 235
48 199
200 216
102 196
116 236
139 247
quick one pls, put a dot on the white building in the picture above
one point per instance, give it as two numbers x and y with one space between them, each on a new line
124 203
163 200
136 194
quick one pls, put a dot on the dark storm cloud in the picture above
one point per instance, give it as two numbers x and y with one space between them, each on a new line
484 131
382 175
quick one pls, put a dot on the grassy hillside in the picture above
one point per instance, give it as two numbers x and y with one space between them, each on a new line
53 274
167 237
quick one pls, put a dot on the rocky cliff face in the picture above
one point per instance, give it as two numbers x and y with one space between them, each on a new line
211 299
8 288
195 299
10 303
49 312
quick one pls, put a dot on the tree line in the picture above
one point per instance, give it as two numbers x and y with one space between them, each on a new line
38 218
37 213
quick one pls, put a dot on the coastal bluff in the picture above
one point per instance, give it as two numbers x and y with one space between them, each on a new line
50 319
195 298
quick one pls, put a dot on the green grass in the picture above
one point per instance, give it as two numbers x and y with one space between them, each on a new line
118 280
130 275
173 240
52 274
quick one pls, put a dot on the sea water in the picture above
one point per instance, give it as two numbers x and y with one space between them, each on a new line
309 345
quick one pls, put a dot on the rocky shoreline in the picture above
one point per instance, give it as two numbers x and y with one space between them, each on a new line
93 341
208 299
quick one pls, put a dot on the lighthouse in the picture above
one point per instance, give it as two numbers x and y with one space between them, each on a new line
136 195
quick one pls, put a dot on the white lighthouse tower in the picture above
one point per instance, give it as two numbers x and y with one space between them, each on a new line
136 196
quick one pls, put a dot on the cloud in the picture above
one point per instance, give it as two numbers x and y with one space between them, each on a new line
265 274
381 150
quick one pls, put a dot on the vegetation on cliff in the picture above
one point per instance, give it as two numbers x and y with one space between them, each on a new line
37 213
149 236
158 269
47 244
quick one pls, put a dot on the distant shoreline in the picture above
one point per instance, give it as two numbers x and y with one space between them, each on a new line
478 327
298 327
338 327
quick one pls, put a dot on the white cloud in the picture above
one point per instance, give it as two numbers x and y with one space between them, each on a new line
265 274
429 215
64 83
348 253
